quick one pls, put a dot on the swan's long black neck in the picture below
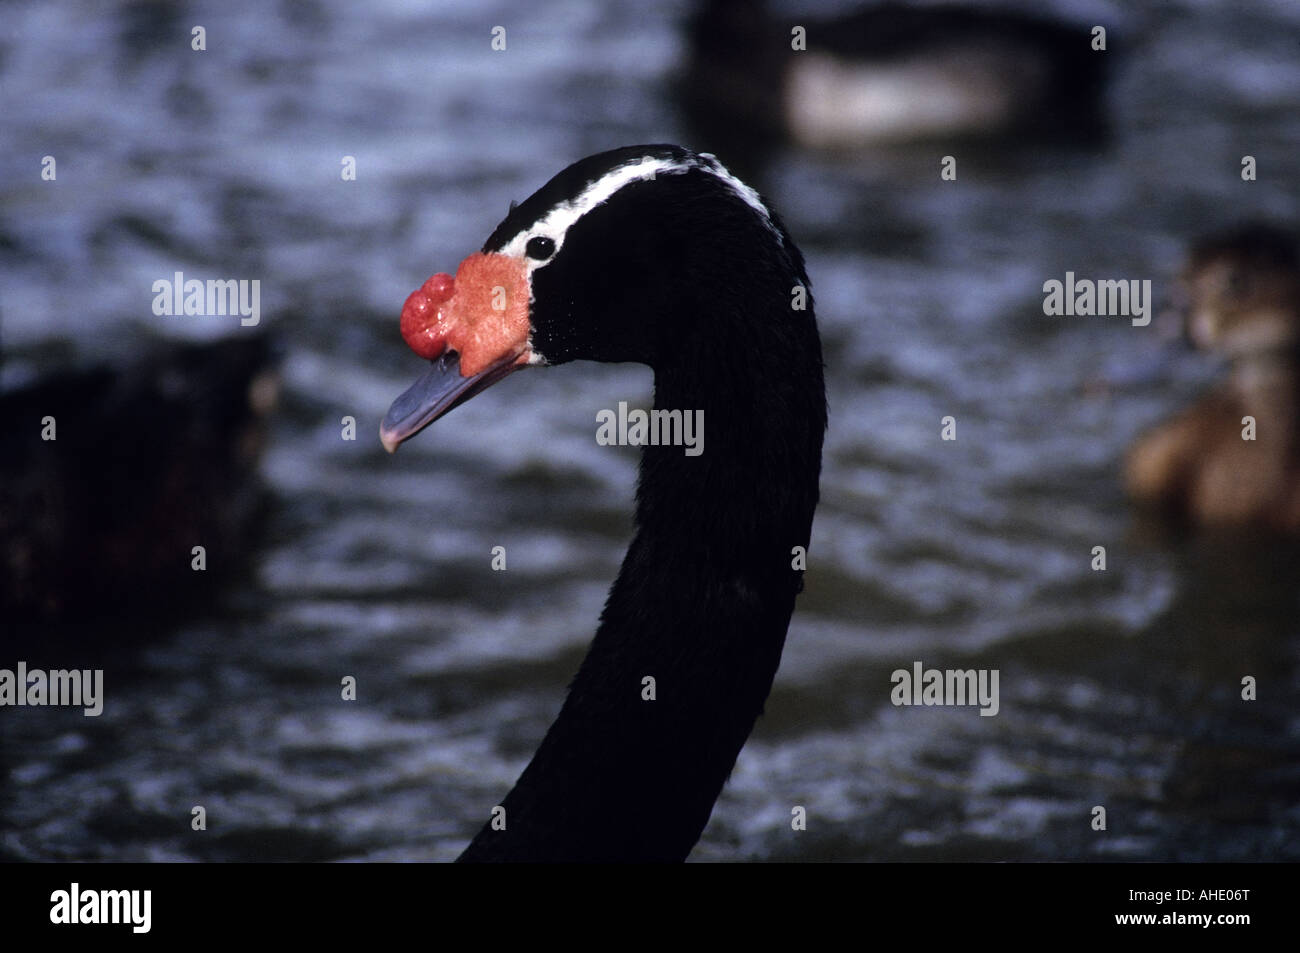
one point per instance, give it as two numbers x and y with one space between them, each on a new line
704 597
701 605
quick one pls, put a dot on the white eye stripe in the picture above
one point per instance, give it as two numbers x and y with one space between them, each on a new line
556 223
749 195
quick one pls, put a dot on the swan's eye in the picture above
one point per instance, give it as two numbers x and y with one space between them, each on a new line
540 247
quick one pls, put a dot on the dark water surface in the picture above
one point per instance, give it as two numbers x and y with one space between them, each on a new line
1118 688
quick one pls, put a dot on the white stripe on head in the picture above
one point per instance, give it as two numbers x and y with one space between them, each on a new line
746 193
556 223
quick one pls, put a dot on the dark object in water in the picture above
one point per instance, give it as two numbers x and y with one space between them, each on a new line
148 462
892 73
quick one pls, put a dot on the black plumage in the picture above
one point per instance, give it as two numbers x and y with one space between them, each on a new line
150 460
683 273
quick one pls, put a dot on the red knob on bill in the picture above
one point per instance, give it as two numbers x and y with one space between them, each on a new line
424 323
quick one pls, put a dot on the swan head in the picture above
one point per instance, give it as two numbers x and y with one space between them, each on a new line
623 256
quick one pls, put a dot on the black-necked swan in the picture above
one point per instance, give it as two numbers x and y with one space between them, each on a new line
657 255
891 72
